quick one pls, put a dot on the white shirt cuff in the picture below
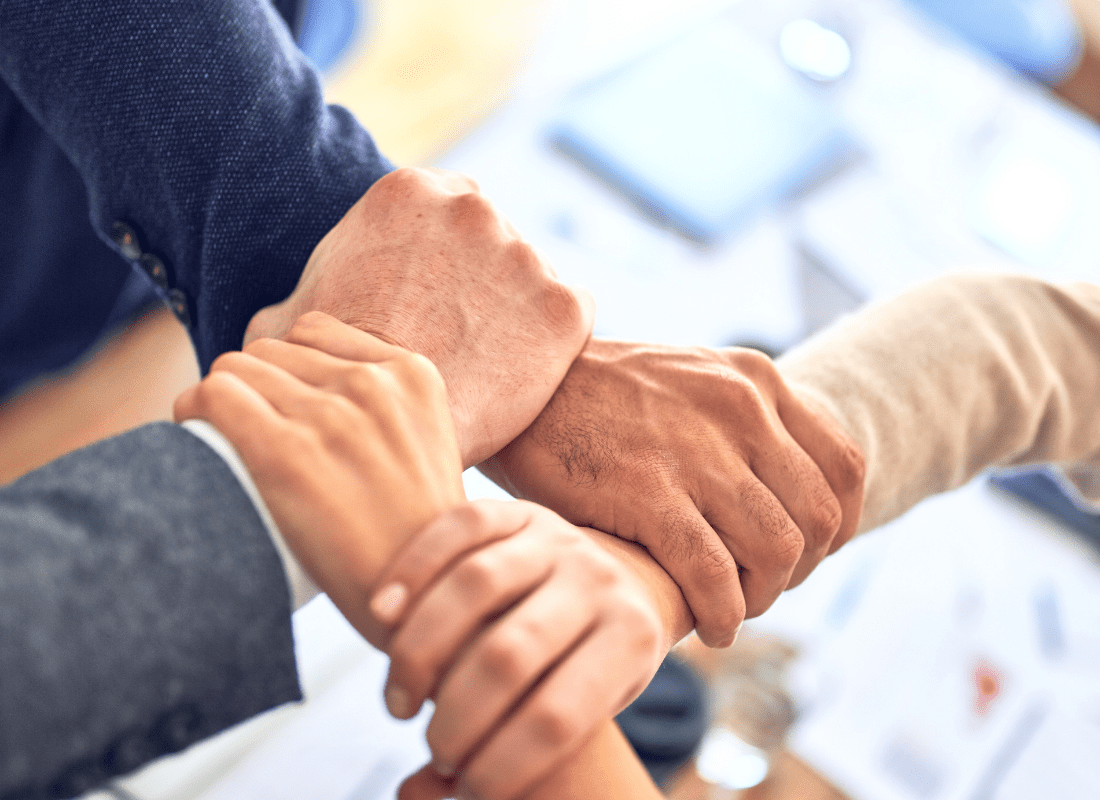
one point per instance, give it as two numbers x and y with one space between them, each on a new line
302 587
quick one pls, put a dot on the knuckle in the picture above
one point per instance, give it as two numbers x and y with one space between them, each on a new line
787 547
562 309
824 520
501 656
360 381
756 365
412 177
745 398
333 416
228 361
851 471
474 516
523 257
553 726
644 625
714 564
474 209
308 322
423 375
603 570
477 576
257 347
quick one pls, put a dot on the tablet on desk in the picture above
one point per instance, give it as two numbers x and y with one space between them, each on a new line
703 131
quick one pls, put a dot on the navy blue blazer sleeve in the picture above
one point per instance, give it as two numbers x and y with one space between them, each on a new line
200 127
143 607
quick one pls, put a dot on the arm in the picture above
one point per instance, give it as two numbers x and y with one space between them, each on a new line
705 457
202 127
347 508
957 376
212 163
125 572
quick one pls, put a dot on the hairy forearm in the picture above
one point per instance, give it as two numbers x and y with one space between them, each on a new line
956 376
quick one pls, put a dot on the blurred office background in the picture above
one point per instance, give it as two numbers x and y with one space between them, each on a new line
719 173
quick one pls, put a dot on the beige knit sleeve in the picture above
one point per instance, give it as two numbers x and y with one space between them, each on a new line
964 373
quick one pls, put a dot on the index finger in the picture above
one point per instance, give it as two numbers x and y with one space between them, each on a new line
322 332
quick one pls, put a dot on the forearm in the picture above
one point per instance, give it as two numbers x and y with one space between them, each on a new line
957 376
142 608
605 768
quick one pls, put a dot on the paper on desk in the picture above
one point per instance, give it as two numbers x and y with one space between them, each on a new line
972 652
344 746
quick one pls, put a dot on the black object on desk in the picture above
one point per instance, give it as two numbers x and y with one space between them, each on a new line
666 723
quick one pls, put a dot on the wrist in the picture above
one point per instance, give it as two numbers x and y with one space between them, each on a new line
672 609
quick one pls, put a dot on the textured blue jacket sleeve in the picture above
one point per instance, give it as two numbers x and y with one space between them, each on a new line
143 607
198 124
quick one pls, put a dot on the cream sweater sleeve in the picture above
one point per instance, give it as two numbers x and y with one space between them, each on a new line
959 375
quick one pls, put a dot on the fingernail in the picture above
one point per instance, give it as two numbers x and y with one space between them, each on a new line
736 633
389 602
444 769
398 702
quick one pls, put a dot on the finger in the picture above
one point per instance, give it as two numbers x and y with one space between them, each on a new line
425 784
329 335
186 405
585 690
699 561
288 395
762 537
238 411
479 588
357 380
441 542
799 485
495 672
838 457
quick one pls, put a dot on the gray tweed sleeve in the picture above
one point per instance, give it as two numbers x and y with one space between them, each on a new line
143 607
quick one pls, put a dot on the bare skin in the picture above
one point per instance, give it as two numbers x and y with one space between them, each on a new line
354 453
702 456
734 484
424 261
525 631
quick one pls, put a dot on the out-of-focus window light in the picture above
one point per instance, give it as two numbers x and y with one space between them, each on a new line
814 50
726 760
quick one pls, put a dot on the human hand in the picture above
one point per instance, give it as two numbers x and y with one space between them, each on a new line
424 261
731 481
349 441
527 632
